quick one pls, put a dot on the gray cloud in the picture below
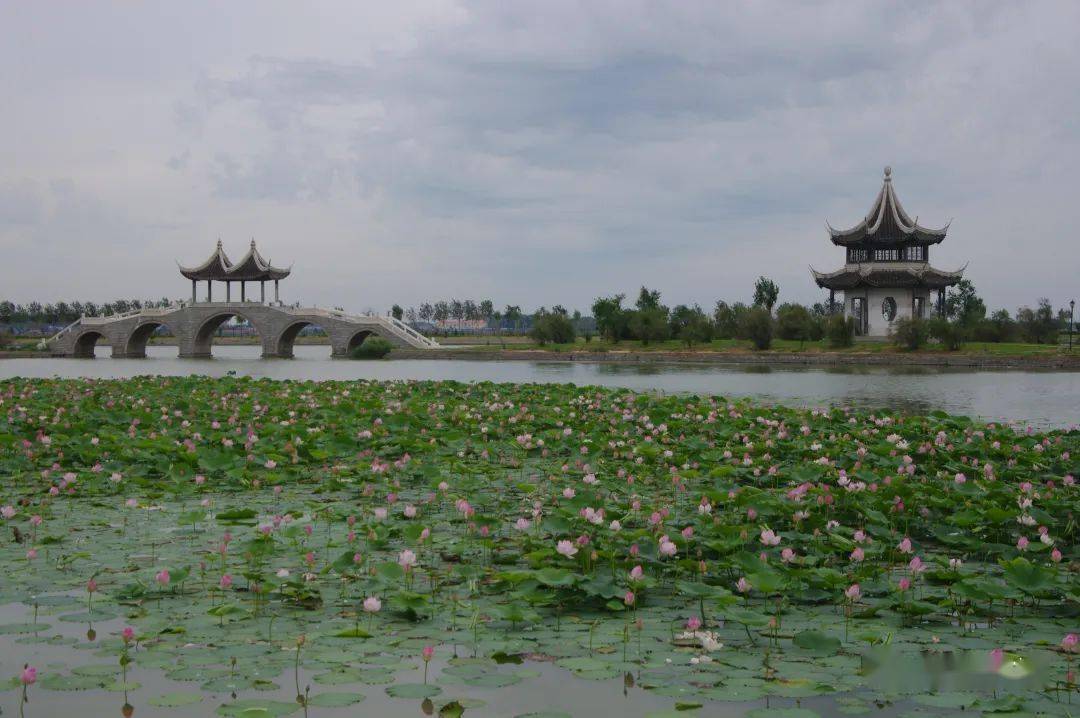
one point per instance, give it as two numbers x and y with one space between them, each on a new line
537 154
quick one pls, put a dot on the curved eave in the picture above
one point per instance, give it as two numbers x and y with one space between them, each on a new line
216 266
253 268
878 276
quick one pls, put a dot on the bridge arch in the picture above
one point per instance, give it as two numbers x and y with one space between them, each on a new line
286 339
134 345
202 338
357 338
84 344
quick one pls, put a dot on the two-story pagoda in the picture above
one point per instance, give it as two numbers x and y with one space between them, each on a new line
888 274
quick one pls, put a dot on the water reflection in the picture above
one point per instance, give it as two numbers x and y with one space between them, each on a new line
1037 397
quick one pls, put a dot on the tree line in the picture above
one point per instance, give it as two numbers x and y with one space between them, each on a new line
67 312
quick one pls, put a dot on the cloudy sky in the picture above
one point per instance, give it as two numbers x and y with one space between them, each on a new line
534 153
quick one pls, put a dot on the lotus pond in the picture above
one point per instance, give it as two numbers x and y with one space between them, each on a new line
185 546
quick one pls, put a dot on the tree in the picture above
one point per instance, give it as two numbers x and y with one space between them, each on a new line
690 325
553 327
441 311
397 312
648 299
487 309
964 305
649 324
1037 326
513 315
611 318
793 321
427 312
765 293
758 327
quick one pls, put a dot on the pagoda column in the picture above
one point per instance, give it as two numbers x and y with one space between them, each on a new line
192 291
277 300
243 291
228 291
262 291
832 301
209 290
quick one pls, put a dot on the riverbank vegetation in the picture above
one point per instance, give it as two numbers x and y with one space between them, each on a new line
291 545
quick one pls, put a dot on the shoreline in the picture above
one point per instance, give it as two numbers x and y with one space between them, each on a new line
1059 362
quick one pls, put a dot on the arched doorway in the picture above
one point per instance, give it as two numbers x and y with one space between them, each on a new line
203 339
287 339
135 345
86 343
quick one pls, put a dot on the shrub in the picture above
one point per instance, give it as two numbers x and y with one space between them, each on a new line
910 333
758 327
372 348
950 334
840 330
5 339
552 327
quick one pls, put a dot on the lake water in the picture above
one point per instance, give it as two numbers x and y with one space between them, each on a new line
1045 398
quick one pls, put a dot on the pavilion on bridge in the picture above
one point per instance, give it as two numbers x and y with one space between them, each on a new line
251 268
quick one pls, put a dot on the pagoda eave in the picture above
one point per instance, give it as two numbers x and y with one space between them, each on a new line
857 276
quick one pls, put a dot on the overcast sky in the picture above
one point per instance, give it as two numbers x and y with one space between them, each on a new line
534 153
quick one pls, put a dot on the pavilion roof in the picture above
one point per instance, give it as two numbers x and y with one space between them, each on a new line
251 267
914 274
215 267
887 223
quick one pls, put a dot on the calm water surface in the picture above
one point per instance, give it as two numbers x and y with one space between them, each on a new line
1048 398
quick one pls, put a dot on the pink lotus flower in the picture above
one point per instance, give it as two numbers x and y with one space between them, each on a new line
742 585
162 577
636 573
787 555
667 548
905 545
853 592
31 554
904 583
1055 556
225 582
857 554
629 598
427 653
566 548
7 512
769 538
407 560
91 585
28 676
128 634
916 565
1022 543
1069 642
372 604
693 623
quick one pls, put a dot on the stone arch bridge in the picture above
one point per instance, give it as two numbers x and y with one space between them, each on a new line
194 326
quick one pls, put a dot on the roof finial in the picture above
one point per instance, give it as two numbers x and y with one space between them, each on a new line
253 243
219 243
888 172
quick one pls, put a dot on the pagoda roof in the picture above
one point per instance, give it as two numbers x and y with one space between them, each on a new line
893 274
215 267
887 223
252 267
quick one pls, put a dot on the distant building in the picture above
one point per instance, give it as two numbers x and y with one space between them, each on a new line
887 275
